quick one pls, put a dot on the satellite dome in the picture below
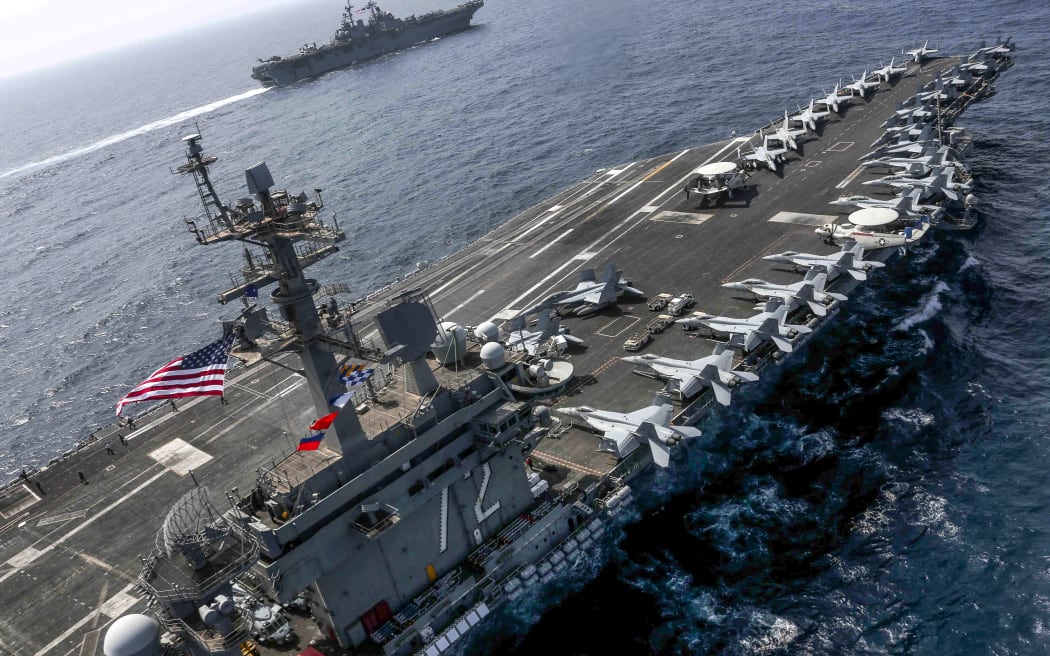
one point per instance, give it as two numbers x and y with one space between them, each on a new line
493 355
450 343
486 331
132 635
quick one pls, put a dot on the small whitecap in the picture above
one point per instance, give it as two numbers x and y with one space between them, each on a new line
913 416
928 308
769 633
932 513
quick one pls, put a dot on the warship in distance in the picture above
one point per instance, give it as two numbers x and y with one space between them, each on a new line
446 488
357 40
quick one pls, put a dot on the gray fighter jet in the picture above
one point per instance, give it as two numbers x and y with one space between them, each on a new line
810 291
591 294
550 338
850 261
687 377
623 433
768 325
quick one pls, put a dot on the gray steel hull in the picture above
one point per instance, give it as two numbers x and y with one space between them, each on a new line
332 57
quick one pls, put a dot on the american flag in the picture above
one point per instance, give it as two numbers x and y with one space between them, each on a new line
200 373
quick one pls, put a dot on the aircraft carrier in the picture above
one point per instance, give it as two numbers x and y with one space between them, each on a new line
447 485
357 40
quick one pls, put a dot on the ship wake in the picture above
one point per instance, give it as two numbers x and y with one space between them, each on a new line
124 136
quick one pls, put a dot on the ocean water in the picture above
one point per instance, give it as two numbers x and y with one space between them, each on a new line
888 494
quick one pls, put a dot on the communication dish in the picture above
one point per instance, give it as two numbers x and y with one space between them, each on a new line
716 168
409 324
872 217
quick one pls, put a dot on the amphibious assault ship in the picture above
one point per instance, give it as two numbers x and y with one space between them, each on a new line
357 40
447 487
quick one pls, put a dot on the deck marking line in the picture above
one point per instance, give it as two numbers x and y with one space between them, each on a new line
464 303
29 554
551 243
76 627
849 178
674 187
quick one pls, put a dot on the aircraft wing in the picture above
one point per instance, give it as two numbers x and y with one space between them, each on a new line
618 441
690 385
657 414
688 382
720 325
593 297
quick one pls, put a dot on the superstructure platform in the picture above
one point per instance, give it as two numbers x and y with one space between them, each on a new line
71 535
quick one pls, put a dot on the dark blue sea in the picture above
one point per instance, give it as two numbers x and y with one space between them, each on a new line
888 495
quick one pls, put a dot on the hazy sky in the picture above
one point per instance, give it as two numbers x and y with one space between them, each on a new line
38 33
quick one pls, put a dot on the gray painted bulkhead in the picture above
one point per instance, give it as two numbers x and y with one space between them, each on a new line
351 571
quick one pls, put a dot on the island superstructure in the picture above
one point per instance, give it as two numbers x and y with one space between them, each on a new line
449 484
359 39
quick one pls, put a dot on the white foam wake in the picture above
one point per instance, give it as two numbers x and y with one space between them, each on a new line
931 305
123 136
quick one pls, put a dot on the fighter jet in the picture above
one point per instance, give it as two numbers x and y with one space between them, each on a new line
975 64
931 157
861 87
902 145
688 377
787 135
767 155
1001 48
909 111
920 53
591 294
939 90
549 336
907 204
832 101
810 117
887 73
939 179
913 129
623 433
768 325
960 77
850 261
809 291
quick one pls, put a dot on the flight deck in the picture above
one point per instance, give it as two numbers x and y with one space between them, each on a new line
71 535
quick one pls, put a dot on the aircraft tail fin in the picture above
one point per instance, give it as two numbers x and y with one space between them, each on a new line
661 451
517 324
782 343
769 326
609 273
723 395
547 325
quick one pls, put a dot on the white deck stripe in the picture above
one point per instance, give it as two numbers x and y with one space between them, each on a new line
464 303
85 524
551 243
90 616
591 248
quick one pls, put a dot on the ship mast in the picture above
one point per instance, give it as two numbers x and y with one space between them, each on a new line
276 223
